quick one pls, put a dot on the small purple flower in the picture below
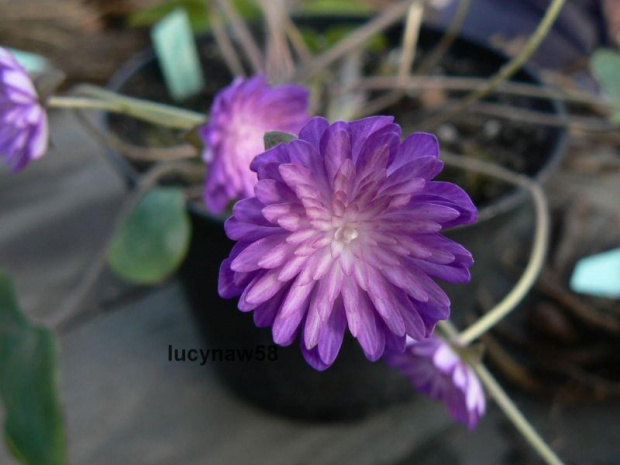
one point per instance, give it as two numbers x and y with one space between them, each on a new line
344 231
23 122
240 116
436 370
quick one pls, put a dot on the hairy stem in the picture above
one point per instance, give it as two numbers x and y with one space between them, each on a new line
539 249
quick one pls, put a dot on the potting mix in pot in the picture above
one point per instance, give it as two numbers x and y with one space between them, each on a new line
301 193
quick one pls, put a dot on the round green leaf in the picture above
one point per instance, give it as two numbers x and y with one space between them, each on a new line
152 242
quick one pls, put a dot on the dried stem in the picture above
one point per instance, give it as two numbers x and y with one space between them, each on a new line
279 58
225 44
354 40
582 123
297 39
539 248
449 83
72 308
410 39
409 47
435 55
244 35
508 70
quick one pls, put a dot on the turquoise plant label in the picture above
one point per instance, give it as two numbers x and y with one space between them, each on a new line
598 275
177 55
32 62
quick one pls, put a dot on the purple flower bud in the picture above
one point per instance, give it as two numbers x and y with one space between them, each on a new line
345 231
23 122
240 116
436 369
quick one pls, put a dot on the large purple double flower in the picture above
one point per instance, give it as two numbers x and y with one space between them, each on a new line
23 122
240 116
345 231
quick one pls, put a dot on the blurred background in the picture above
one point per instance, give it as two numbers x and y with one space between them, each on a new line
123 400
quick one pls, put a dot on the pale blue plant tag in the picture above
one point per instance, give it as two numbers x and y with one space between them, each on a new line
177 55
598 275
32 62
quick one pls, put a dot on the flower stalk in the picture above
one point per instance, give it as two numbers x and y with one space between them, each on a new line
539 249
504 402
95 98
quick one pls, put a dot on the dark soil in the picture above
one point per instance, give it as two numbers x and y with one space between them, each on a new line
522 147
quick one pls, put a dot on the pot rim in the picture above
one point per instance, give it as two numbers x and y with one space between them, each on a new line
495 208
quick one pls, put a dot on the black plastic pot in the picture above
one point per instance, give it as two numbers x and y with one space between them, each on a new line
352 387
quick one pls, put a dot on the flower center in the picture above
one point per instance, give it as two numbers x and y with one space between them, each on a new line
346 234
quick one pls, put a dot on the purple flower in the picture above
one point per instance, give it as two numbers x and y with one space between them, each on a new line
23 122
240 116
344 231
435 369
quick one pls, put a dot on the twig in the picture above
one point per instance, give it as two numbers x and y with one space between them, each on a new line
225 45
508 70
244 35
539 249
354 40
73 306
437 53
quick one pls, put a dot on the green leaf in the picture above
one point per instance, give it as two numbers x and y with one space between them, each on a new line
336 7
153 241
196 9
34 428
152 14
273 138
605 66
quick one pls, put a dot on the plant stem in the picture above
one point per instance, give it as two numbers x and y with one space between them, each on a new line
72 308
504 402
539 249
515 416
156 113
507 71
